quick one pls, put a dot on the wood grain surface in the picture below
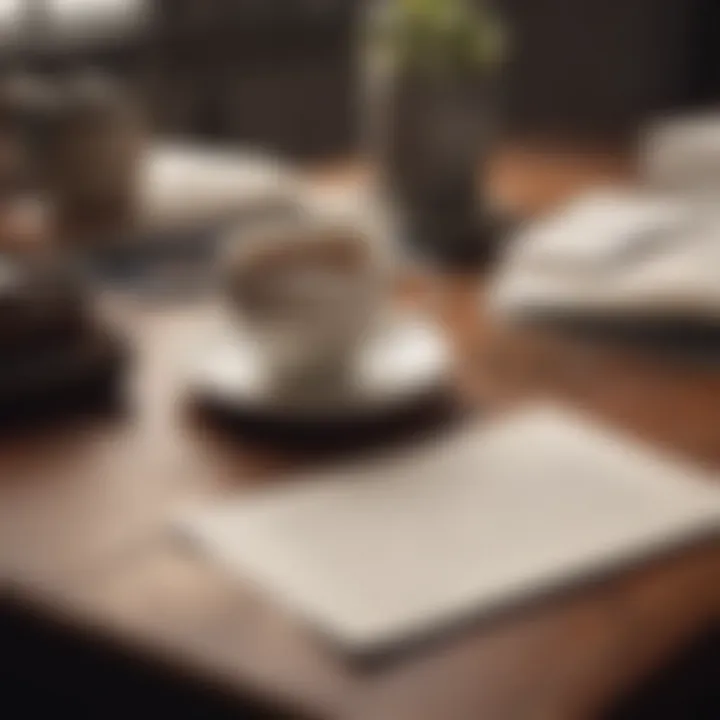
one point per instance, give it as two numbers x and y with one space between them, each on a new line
84 537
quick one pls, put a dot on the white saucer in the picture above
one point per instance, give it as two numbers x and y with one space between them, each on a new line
404 362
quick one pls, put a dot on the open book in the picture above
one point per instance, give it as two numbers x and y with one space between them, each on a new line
615 253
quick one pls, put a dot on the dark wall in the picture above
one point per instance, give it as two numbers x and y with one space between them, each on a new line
281 72
277 73
602 67
704 52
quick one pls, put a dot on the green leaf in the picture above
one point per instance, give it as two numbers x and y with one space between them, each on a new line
442 35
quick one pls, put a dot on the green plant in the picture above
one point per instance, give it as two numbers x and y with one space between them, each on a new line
440 36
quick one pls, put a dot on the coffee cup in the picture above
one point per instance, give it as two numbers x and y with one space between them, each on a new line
308 292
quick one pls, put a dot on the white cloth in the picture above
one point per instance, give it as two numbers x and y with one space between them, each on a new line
184 185
75 22
682 154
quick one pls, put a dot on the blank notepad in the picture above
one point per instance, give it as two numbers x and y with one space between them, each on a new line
375 555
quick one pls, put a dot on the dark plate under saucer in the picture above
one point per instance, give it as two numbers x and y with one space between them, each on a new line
404 385
78 374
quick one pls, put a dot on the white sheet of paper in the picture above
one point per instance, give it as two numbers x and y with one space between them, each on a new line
376 554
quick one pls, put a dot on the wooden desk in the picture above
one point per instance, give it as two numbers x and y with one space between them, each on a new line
84 542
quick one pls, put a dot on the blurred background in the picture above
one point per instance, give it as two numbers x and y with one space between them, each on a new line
214 113
281 73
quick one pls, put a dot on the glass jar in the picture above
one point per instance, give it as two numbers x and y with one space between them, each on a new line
94 159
